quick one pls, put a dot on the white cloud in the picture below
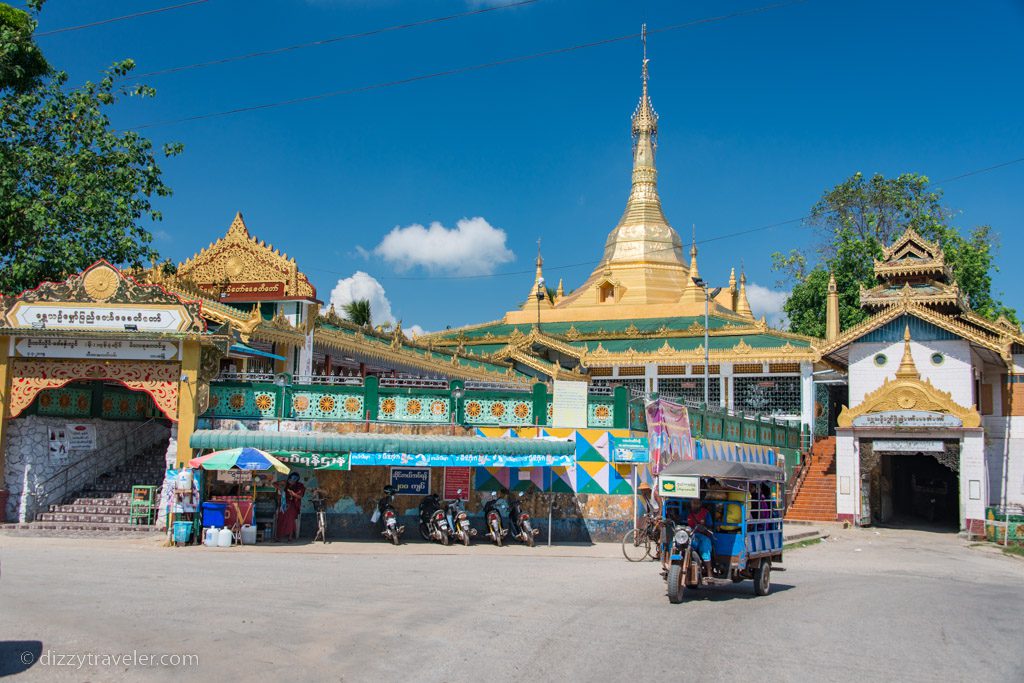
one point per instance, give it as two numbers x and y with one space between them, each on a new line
768 302
363 286
415 331
472 247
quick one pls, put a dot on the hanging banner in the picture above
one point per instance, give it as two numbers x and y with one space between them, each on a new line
320 461
456 483
81 437
668 430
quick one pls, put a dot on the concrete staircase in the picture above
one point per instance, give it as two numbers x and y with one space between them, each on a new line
816 499
104 506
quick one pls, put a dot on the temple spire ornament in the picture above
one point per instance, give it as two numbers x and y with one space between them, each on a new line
742 304
907 369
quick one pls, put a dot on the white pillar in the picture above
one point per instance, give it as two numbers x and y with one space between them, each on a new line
847 477
973 481
807 395
725 373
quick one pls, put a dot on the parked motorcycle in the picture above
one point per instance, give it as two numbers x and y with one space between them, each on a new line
388 517
492 514
458 520
519 520
433 522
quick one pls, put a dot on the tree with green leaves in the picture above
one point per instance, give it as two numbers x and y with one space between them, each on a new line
72 189
21 61
854 221
357 312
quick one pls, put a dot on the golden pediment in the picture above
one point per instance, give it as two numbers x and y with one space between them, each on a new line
908 392
238 257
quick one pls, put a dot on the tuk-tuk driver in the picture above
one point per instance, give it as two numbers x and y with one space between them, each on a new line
701 541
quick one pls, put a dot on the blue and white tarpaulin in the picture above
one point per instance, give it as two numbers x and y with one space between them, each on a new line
435 460
709 449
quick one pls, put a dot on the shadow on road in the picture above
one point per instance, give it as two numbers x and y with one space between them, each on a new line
738 591
18 656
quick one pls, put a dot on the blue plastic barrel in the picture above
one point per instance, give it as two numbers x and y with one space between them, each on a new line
213 514
182 532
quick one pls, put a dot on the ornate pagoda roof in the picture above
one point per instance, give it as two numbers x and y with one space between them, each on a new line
239 258
912 255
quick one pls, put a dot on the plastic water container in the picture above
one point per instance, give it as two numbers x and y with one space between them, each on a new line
224 538
182 532
213 514
183 482
210 537
248 534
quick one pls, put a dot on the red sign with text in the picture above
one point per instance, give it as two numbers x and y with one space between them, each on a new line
456 478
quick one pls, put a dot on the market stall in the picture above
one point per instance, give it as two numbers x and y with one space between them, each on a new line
237 482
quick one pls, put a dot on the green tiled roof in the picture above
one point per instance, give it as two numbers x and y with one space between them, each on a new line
644 326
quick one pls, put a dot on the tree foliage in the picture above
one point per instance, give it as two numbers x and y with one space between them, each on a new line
854 221
21 61
72 189
357 312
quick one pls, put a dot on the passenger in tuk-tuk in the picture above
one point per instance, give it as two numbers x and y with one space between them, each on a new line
701 542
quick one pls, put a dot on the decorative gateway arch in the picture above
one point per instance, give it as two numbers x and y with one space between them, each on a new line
103 325
905 416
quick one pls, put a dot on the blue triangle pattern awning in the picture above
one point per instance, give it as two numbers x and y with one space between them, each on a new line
711 449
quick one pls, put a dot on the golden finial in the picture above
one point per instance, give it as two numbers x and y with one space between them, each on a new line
645 119
907 369
742 303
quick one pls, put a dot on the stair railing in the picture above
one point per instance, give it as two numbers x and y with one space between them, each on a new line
799 474
71 475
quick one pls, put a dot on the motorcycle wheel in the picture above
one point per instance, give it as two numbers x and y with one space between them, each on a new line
635 545
675 584
496 532
465 538
528 533
444 538
395 539
425 532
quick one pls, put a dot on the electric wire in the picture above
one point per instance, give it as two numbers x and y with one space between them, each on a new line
708 240
334 39
466 69
101 22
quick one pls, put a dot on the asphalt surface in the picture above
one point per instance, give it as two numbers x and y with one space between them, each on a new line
863 605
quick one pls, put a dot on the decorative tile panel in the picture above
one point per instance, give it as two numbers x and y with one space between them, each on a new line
481 411
120 405
242 402
600 415
426 408
322 405
65 402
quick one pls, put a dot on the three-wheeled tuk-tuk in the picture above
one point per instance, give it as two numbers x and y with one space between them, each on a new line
723 523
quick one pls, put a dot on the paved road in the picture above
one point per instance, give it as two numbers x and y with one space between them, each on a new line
864 605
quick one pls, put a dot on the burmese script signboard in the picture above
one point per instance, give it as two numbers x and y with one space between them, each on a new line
250 291
121 349
908 419
129 317
569 404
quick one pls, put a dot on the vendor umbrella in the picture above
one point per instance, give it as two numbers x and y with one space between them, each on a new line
239 458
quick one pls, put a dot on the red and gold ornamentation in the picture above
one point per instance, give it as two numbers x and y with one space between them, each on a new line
352 405
438 407
327 404
33 375
522 410
497 409
474 409
264 401
413 406
388 406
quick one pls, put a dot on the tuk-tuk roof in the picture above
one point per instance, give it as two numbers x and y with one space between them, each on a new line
725 469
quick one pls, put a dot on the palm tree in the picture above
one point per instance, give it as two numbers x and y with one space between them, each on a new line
358 312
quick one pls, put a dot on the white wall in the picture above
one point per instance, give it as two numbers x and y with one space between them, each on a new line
847 476
955 375
29 463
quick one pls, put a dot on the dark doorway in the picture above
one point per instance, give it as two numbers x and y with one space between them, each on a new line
924 492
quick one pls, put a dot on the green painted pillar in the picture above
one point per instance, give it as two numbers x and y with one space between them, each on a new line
540 404
456 407
371 391
620 411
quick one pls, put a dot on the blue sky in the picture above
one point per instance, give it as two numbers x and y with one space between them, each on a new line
759 114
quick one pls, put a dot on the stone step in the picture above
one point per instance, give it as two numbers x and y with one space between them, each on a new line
81 518
58 529
116 509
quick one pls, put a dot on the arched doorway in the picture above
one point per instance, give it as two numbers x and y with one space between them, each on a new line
913 483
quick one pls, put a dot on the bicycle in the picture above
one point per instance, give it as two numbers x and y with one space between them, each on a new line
645 540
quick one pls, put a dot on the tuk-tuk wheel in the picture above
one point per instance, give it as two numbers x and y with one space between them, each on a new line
675 584
762 577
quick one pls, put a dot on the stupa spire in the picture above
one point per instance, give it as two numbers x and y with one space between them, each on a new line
907 369
643 234
742 305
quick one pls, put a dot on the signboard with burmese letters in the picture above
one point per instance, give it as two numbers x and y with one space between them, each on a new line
676 486
77 316
119 349
906 419
908 446
569 405
250 291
